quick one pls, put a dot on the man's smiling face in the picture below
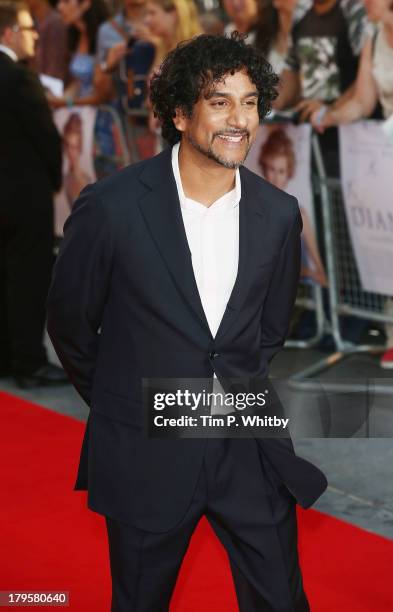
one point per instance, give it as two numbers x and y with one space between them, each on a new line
224 120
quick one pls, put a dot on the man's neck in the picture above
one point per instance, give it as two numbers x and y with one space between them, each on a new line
203 179
325 7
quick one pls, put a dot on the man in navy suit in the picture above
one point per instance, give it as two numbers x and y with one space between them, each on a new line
186 266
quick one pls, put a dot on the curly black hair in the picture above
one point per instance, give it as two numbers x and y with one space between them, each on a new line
193 66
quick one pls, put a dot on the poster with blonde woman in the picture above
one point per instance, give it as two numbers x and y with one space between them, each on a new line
77 128
281 154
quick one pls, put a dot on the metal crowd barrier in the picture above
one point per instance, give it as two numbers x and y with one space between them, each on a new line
345 292
309 297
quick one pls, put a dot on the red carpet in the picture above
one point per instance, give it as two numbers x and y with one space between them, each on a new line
50 542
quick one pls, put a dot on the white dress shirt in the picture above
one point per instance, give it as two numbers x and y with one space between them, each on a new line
213 238
9 52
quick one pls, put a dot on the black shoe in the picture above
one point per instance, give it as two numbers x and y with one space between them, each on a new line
45 376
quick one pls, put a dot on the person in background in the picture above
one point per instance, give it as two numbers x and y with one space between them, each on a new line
171 22
323 58
374 84
211 22
51 52
320 69
278 161
273 28
114 34
30 171
126 52
322 64
88 84
374 81
266 23
243 15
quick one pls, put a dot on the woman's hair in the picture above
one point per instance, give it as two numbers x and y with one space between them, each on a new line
267 26
73 125
95 15
278 144
195 65
188 24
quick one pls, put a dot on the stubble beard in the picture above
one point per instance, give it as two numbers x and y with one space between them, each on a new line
209 152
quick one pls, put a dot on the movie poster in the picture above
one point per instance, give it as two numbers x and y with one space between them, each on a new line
281 154
76 126
366 154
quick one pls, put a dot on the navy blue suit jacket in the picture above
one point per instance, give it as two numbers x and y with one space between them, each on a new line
124 305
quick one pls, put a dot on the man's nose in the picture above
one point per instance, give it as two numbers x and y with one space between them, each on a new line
237 117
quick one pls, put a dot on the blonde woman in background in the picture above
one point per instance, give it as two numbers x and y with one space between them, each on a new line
169 22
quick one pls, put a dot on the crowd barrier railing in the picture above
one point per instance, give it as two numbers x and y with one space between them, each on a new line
345 293
309 296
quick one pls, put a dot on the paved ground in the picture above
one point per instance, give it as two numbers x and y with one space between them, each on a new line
359 470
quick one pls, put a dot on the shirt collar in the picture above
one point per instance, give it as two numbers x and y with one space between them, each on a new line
226 202
9 52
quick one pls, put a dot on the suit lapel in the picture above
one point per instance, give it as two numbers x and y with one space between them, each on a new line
160 208
251 220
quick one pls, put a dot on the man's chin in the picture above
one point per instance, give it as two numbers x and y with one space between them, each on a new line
226 161
229 162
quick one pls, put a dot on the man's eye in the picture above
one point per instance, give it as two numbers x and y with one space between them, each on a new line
219 103
251 103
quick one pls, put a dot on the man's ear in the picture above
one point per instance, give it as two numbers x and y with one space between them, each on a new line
180 120
6 38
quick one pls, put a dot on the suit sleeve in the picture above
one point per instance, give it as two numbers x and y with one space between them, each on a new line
35 115
79 288
282 291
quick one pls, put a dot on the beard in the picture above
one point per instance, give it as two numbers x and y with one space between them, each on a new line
211 154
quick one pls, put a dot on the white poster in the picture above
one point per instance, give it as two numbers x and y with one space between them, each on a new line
76 125
367 179
281 154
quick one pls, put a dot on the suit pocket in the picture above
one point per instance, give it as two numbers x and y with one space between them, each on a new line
118 408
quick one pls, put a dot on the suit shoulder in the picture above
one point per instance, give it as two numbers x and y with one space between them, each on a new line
280 202
123 182
10 71
25 77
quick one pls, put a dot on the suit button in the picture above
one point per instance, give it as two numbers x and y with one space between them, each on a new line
213 355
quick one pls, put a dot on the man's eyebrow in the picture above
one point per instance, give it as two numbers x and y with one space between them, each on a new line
223 94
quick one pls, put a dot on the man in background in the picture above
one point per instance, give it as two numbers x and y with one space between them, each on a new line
322 63
30 171
51 51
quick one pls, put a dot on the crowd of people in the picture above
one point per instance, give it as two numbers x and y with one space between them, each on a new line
334 58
